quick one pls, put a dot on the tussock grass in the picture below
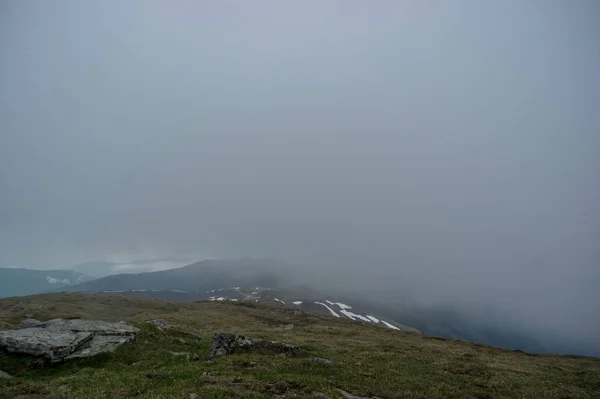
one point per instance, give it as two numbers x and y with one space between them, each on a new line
368 360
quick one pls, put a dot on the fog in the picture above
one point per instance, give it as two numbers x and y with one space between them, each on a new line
445 152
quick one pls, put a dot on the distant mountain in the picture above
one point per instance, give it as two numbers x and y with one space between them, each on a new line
199 276
102 268
250 280
18 282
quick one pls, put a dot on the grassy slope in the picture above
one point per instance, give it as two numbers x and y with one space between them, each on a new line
368 360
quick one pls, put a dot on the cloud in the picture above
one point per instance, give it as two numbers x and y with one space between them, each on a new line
442 152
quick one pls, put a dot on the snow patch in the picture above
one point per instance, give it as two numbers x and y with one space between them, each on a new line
297 302
279 300
388 325
53 280
341 305
234 300
354 316
328 308
373 319
220 298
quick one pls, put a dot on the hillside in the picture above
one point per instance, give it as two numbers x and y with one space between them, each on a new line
367 361
18 281
198 277
249 280
281 283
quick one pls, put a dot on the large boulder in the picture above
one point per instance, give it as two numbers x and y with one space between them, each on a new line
226 344
58 340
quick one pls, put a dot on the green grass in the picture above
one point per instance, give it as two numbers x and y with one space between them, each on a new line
367 360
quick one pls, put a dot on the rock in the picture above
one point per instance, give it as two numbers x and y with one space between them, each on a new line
320 360
30 323
195 357
29 316
226 344
160 323
320 395
193 396
58 340
350 396
4 375
286 326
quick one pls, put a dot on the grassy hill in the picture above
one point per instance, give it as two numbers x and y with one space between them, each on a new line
368 360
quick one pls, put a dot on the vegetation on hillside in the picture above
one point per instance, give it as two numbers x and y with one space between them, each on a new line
367 360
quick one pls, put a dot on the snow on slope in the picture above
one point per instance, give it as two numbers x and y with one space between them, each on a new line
52 280
328 308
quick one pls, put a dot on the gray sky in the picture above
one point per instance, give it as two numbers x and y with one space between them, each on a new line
449 148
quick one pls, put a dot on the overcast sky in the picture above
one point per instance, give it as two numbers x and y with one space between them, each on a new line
449 146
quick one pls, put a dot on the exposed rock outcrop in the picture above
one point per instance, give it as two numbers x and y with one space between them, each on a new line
30 323
226 344
58 340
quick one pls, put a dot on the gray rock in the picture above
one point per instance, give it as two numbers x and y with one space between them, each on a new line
58 340
226 344
160 323
286 326
350 396
320 360
30 323
195 357
4 375
320 395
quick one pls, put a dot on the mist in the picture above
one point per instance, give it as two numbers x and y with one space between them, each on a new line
437 152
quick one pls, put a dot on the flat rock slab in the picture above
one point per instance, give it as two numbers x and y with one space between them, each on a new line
58 340
226 344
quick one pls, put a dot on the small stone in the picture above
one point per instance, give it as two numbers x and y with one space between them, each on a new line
320 360
193 396
4 375
63 387
29 316
286 326
160 323
320 395
248 364
195 357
